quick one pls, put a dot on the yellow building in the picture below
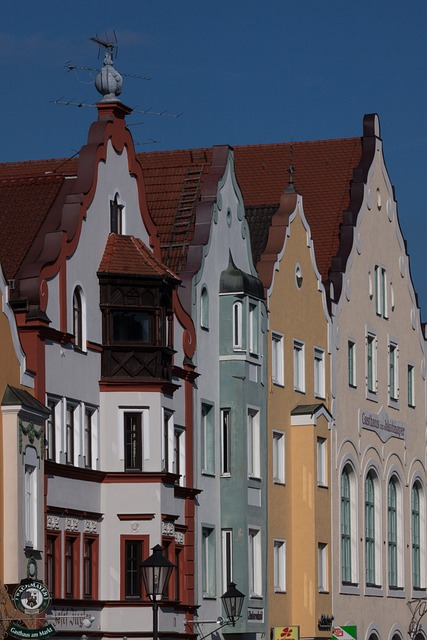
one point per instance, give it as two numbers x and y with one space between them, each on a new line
299 506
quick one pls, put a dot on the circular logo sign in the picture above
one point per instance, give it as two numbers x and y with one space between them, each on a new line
31 597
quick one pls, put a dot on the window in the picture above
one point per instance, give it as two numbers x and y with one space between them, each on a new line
133 442
208 562
89 415
393 375
207 441
168 434
53 564
371 363
132 326
392 534
278 457
133 551
51 431
346 531
370 530
279 561
237 326
178 454
31 497
411 394
253 328
322 471
255 565
69 434
90 567
351 350
322 567
381 291
254 453
78 318
204 309
277 368
416 535
116 216
225 442
299 367
71 566
319 373
227 558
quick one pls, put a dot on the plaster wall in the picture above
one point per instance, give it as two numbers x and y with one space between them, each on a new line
378 241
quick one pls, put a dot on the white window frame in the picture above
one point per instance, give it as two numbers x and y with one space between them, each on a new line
145 432
227 558
393 372
225 442
254 442
322 567
371 365
279 565
167 440
380 284
278 457
178 460
322 462
204 308
31 464
254 327
319 372
255 562
299 366
237 325
410 385
277 359
351 360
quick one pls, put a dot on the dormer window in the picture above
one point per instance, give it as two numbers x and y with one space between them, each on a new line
116 216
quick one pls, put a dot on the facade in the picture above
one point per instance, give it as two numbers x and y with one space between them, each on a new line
378 461
299 420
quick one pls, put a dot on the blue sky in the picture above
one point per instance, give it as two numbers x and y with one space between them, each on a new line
240 71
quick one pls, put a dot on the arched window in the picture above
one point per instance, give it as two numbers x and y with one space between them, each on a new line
204 308
392 533
370 529
78 318
116 216
416 535
346 564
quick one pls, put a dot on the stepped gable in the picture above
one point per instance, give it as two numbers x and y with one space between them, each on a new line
166 174
24 204
323 171
127 255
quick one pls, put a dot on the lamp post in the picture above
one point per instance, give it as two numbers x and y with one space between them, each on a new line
156 571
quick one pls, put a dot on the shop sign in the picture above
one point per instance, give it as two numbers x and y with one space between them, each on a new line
31 597
286 633
384 426
344 633
23 633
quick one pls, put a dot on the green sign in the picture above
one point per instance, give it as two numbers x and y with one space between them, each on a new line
345 633
31 597
16 631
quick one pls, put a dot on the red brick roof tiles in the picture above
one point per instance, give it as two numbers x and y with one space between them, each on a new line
322 174
127 255
24 203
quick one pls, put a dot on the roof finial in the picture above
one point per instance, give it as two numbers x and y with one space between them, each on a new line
108 82
291 187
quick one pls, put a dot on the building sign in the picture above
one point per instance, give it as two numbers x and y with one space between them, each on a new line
69 618
31 597
384 426
344 633
16 631
285 633
255 615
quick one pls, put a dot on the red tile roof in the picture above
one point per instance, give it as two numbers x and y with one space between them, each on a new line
57 166
322 174
24 203
168 177
127 255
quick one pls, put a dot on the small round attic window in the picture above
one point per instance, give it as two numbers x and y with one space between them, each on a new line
298 276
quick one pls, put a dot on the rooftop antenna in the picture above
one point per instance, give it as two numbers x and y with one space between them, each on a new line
108 82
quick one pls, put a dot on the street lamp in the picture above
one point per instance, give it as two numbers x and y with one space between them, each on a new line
156 571
232 600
